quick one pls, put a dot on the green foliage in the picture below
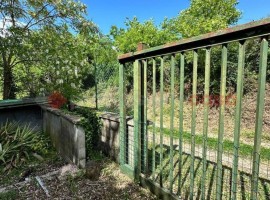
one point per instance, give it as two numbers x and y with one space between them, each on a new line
126 40
205 16
18 142
91 125
27 43
103 61
201 17
60 63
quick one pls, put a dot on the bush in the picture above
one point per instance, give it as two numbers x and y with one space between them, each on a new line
18 142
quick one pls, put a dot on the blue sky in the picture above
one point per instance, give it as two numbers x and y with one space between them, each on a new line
106 13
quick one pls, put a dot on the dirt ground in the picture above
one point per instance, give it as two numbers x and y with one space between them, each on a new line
111 184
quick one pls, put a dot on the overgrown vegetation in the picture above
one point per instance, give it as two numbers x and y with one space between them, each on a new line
18 143
245 150
91 125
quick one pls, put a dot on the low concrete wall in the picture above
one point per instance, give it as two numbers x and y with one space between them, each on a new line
66 135
30 114
69 138
110 133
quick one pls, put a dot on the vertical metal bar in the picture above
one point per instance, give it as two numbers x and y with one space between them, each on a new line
137 118
221 121
205 118
193 121
96 87
154 120
237 124
181 118
171 121
161 119
144 131
259 118
122 114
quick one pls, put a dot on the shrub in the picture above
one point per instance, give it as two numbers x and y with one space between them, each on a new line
18 142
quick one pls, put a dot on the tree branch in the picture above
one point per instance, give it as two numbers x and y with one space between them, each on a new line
40 20
22 61
43 7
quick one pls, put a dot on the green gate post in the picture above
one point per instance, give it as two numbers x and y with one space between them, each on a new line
205 118
193 122
137 118
181 118
172 122
237 125
221 121
259 118
122 114
144 115
154 120
161 120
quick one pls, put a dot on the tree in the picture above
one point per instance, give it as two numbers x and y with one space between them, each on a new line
126 40
204 16
201 17
58 63
20 18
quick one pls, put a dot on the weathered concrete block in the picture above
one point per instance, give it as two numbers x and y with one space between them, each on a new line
110 137
66 135
109 140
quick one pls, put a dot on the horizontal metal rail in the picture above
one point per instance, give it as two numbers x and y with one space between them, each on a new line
236 33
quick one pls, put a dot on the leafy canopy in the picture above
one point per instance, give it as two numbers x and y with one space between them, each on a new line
205 16
126 40
23 43
202 16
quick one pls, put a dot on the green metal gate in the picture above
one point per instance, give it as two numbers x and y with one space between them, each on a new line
176 164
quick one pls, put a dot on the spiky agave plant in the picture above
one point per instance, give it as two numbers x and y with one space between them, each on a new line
18 141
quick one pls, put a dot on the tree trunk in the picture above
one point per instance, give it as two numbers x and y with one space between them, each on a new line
9 85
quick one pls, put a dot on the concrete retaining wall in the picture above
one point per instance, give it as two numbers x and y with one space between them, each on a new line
110 132
69 138
31 114
66 135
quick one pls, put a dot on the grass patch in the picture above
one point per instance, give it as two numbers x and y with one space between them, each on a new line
162 171
212 143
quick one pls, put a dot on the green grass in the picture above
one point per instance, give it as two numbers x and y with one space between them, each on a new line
212 143
243 186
